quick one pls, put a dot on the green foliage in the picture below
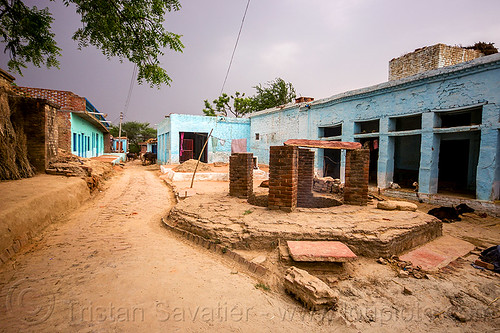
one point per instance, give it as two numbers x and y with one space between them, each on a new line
126 29
262 286
240 106
275 93
135 132
26 34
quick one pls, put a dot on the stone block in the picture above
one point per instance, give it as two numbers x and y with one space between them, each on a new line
314 293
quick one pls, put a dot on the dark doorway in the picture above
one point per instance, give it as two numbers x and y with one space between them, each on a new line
191 144
331 163
455 161
372 144
406 160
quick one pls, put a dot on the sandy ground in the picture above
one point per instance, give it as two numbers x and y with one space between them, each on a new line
458 298
111 267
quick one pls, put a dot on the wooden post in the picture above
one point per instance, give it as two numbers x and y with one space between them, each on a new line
199 157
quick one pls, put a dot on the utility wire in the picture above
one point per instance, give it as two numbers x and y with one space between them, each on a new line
131 87
127 102
234 50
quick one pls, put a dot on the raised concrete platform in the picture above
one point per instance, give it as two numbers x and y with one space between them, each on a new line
367 231
438 253
331 251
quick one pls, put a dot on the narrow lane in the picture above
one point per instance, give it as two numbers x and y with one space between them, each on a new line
111 266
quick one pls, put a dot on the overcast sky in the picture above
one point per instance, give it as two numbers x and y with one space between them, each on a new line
321 47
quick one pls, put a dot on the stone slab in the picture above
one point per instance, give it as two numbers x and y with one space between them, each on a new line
323 144
438 253
332 251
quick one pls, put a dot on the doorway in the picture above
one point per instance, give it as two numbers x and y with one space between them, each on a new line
372 145
191 144
458 160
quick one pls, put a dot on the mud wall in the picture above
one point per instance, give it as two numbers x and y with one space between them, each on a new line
37 117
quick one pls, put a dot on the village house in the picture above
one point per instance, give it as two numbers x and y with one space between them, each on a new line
82 129
119 144
181 137
436 122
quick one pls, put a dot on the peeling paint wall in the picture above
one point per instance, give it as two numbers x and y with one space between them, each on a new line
450 89
219 146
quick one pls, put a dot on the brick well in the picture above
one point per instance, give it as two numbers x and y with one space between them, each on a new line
241 175
356 177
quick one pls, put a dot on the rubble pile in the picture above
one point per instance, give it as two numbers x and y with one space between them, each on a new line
327 185
403 268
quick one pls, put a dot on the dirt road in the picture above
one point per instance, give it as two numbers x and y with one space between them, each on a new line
111 266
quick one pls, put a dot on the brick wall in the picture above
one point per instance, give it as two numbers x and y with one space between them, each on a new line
305 177
283 177
356 177
64 129
65 99
107 142
428 58
241 175
38 118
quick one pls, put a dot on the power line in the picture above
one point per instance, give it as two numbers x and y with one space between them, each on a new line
234 50
127 102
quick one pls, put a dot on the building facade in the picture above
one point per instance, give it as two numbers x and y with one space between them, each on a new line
439 128
82 129
181 137
434 131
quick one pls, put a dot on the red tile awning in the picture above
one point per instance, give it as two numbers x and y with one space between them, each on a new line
323 144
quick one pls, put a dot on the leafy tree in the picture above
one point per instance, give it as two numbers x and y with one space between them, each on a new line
277 92
125 29
241 106
135 132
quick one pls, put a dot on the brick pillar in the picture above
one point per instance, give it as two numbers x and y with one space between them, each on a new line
306 176
356 177
241 175
283 177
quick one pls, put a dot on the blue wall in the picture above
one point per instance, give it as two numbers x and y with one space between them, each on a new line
218 147
430 94
124 144
86 139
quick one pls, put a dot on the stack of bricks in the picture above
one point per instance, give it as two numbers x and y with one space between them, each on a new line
356 177
305 177
241 175
283 177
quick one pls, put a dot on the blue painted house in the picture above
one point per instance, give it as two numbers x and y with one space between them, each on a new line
82 129
119 144
439 128
181 137
438 125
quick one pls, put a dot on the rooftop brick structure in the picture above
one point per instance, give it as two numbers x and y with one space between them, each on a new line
428 58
